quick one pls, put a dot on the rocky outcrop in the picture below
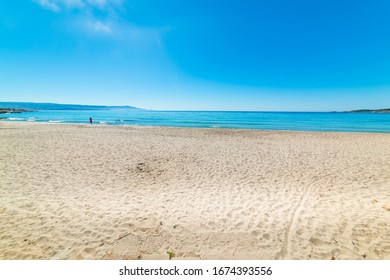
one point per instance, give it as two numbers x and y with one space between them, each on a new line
12 110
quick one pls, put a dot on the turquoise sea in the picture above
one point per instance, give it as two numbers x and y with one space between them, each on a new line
298 121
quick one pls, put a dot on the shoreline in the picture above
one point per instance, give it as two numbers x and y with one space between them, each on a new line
183 127
134 192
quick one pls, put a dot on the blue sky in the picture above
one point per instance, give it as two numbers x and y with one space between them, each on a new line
278 55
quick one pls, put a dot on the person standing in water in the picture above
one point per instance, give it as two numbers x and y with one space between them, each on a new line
90 120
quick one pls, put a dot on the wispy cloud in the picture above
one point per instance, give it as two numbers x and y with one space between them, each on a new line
103 18
48 4
61 5
91 20
100 27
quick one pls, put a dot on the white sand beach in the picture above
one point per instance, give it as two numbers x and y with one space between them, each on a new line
103 192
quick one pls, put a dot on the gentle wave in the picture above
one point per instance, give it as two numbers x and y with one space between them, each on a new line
245 120
17 119
107 122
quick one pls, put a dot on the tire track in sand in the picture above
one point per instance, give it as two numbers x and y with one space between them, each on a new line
286 250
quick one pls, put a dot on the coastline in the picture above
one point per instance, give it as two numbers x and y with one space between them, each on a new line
298 121
190 128
74 191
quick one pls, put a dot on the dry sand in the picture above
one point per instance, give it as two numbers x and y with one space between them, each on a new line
99 192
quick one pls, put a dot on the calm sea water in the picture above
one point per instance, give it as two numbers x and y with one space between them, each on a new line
362 122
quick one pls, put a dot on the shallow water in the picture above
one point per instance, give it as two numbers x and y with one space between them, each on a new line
347 122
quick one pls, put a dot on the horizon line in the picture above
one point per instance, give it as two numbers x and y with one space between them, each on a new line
192 110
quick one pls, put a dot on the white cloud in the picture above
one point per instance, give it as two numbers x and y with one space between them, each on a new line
106 21
89 20
48 4
60 5
101 27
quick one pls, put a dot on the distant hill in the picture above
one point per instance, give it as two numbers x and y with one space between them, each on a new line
55 106
370 111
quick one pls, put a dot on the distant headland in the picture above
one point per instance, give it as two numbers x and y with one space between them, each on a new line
369 111
386 111
20 107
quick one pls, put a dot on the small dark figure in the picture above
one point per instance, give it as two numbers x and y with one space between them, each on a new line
90 120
